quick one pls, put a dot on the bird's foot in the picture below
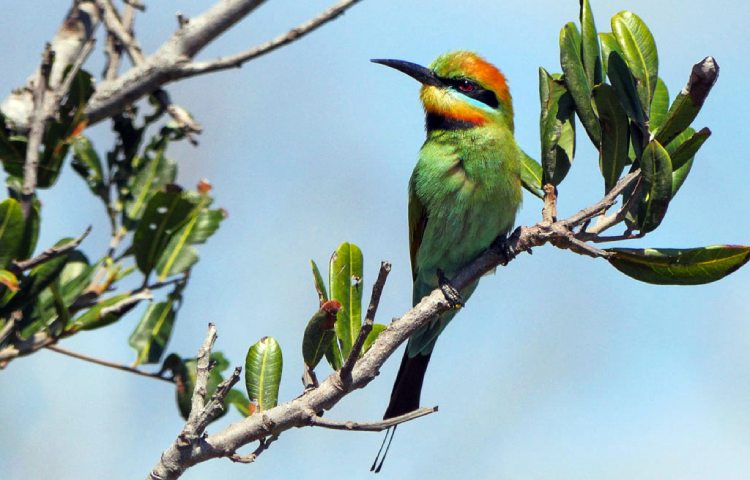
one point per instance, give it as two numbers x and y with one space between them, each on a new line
451 293
505 246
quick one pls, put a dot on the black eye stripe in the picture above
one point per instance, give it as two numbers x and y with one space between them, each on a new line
485 96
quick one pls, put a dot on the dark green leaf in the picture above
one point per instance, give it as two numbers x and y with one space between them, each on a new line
11 230
576 81
185 373
556 128
689 101
659 106
531 175
675 266
31 231
682 150
592 62
320 285
106 312
624 84
153 171
39 278
656 168
319 333
608 45
150 337
613 153
87 164
639 52
333 354
164 216
179 255
346 286
377 328
263 366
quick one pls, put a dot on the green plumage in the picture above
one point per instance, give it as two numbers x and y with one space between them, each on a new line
464 191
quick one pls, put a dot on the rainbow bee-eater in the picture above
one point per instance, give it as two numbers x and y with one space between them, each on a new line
464 191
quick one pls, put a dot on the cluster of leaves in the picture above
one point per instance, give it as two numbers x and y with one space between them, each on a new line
610 82
330 333
155 226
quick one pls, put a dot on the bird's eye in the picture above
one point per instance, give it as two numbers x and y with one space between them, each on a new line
466 86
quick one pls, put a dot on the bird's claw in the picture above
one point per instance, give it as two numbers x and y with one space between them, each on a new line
505 246
451 293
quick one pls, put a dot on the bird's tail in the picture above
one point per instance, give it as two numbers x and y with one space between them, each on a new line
404 398
408 385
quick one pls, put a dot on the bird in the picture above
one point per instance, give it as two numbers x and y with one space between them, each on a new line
464 192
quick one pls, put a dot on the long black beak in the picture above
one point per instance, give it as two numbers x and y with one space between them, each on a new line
423 75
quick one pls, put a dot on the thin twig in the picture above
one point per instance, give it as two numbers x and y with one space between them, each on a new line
549 211
84 53
251 457
607 222
202 370
235 61
38 123
106 363
317 421
605 203
364 331
116 27
50 253
216 405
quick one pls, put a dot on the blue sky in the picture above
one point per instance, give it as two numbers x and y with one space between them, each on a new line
559 367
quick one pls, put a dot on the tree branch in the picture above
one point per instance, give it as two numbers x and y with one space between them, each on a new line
237 60
317 421
106 363
296 413
38 122
50 253
364 331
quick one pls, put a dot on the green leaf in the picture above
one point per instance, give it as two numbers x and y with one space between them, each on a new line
165 214
185 374
51 309
682 150
624 84
333 354
12 150
659 106
87 164
676 266
608 45
319 333
639 52
576 81
689 101
613 153
592 62
153 171
656 168
150 337
179 255
263 366
531 175
345 273
39 278
106 312
11 230
320 285
377 328
30 231
240 402
556 128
